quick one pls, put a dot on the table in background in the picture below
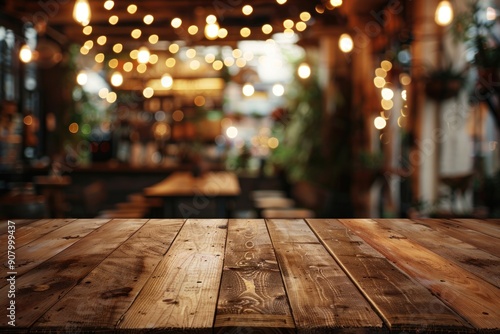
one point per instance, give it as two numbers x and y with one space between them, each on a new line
52 188
222 187
242 276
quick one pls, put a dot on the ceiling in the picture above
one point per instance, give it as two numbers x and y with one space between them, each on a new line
54 18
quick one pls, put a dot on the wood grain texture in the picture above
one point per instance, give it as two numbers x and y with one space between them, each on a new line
400 301
473 298
104 295
182 291
488 227
58 239
467 256
29 231
321 296
482 241
40 288
252 294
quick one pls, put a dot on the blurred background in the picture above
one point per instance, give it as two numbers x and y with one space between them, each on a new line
346 109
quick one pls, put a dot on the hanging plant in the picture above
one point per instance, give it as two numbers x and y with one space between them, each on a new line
445 83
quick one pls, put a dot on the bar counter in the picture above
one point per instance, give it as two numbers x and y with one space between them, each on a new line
250 276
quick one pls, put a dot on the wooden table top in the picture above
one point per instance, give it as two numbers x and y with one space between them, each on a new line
211 184
245 276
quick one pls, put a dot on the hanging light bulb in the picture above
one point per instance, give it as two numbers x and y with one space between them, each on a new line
304 71
25 54
212 30
444 13
143 55
345 43
81 12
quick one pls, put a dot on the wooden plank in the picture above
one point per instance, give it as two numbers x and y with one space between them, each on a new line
321 296
252 295
104 295
487 227
465 255
400 301
39 289
482 241
182 291
19 223
470 296
33 231
32 254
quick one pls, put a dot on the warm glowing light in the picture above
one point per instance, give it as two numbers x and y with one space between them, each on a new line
148 19
136 33
222 33
112 97
170 62
194 65
267 29
132 9
386 65
193 30
148 92
336 3
178 115
345 43
210 58
191 53
143 55
381 73
229 61
113 63
387 93
103 92
167 81
247 9
101 40
88 45
304 71
199 101
84 50
211 31
87 30
273 143
241 62
320 9
404 94
142 68
211 19
82 78
232 132
245 32
118 47
444 13
405 79
173 48
81 12
281 2
176 22
73 128
99 58
300 26
218 65
134 54
28 120
153 39
379 123
113 19
278 89
305 16
288 24
117 79
387 104
25 54
237 53
248 89
109 4
491 14
248 55
153 59
288 33
128 66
